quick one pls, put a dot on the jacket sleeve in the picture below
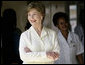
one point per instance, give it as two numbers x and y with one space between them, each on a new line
79 45
31 56
56 47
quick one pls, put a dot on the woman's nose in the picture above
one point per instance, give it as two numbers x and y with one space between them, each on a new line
32 17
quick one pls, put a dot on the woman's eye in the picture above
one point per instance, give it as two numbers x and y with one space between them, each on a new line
34 14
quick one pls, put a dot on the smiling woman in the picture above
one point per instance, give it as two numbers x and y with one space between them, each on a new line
70 45
38 44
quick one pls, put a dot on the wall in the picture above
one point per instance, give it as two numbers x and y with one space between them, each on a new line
20 6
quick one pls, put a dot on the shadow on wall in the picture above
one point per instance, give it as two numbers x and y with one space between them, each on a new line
10 38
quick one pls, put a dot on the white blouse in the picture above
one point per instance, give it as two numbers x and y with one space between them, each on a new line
39 45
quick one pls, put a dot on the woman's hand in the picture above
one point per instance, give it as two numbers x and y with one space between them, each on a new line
52 55
26 49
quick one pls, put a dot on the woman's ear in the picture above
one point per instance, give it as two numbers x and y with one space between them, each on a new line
42 17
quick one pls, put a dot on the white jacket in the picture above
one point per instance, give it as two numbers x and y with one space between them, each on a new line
39 45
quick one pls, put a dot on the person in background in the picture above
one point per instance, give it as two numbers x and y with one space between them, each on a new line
17 33
71 48
80 32
9 19
38 44
10 37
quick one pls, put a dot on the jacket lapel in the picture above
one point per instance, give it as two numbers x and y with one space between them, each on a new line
36 39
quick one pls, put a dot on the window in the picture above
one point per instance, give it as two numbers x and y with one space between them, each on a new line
73 16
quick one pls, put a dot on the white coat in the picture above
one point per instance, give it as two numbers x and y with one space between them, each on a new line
39 45
69 49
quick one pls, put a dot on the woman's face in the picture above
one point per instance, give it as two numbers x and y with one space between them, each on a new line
62 24
35 17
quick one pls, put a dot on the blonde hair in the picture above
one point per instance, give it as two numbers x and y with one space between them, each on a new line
36 5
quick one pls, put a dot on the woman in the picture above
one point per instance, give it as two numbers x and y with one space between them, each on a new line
70 46
38 45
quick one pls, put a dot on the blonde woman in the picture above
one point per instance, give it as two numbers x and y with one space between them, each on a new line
38 44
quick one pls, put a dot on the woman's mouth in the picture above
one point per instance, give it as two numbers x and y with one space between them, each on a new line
33 21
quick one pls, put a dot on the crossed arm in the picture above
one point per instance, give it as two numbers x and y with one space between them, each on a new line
50 55
27 55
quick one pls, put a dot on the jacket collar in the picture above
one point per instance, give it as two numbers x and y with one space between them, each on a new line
43 33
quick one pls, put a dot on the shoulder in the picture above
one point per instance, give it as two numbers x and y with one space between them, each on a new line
50 31
74 34
25 33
